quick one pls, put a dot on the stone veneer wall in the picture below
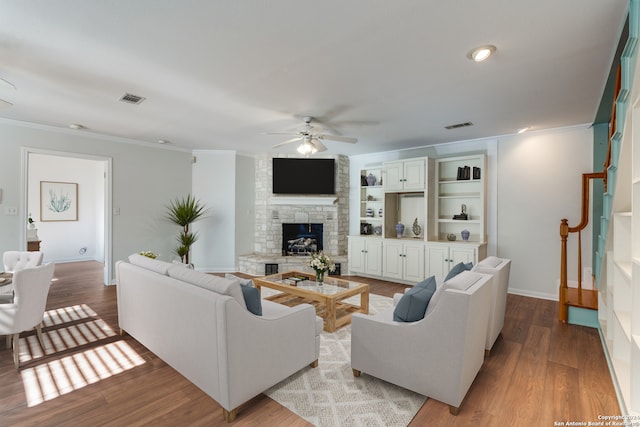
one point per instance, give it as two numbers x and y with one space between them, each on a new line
273 210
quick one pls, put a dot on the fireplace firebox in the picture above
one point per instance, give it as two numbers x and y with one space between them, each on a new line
301 239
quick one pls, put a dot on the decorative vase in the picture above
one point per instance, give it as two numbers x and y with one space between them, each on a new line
319 277
369 212
380 212
371 180
399 229
465 234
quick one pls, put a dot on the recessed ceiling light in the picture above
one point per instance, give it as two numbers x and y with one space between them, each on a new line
481 53
523 130
76 126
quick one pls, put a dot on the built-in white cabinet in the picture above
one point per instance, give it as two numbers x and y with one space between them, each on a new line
428 193
460 198
371 200
405 175
403 260
619 285
365 255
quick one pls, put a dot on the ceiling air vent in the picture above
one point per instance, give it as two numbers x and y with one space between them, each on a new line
459 125
131 98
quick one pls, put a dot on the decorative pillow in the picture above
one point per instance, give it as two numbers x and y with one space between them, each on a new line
414 302
250 293
155 265
252 299
213 283
457 269
491 262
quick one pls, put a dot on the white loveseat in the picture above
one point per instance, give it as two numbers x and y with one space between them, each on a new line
438 356
199 324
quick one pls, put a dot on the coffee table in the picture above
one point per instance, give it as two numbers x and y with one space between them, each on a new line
298 287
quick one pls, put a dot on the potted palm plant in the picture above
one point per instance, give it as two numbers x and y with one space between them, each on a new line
184 212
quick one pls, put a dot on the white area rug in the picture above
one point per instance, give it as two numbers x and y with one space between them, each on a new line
330 395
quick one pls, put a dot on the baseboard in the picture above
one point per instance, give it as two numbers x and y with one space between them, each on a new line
527 293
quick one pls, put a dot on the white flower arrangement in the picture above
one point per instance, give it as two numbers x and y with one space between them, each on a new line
321 263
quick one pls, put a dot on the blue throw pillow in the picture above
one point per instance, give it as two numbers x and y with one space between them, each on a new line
457 269
252 299
414 302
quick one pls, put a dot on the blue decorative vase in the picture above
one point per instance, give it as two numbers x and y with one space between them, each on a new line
465 234
399 229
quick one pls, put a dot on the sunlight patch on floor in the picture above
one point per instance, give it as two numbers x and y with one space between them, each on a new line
56 377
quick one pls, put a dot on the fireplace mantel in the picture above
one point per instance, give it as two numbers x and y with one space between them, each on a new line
304 200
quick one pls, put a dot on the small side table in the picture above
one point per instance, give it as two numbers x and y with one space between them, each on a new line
33 245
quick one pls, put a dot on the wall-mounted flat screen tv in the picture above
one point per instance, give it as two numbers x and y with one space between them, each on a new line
304 176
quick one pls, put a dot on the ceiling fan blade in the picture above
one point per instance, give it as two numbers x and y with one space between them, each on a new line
280 133
337 138
288 141
319 145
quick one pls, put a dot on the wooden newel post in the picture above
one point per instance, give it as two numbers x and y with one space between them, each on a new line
562 306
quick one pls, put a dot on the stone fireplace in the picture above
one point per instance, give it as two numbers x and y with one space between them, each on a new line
272 211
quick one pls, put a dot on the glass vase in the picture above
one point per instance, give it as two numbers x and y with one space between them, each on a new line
320 277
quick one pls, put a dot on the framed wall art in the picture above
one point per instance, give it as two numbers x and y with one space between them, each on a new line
58 201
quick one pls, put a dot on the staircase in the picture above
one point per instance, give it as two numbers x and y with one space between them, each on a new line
577 305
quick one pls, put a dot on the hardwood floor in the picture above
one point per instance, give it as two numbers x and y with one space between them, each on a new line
539 371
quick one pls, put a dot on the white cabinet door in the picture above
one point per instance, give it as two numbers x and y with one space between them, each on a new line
437 261
373 257
357 255
392 259
465 255
414 175
413 262
404 175
393 174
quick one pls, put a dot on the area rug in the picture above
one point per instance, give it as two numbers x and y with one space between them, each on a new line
330 396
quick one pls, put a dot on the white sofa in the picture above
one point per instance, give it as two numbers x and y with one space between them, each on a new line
199 325
438 356
499 268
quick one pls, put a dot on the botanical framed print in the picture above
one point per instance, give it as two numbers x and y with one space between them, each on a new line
58 201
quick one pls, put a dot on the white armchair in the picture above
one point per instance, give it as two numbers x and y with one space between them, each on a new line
31 288
499 268
438 356
17 260
14 261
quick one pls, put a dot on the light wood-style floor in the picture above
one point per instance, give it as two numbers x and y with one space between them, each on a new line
539 371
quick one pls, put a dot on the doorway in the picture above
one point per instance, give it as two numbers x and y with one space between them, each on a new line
83 236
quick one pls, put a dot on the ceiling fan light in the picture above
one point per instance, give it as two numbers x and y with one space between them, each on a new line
481 53
307 148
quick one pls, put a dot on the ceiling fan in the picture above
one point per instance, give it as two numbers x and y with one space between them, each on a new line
311 138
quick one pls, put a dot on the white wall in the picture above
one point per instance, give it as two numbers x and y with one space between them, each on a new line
145 178
533 180
62 240
540 183
245 205
218 178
